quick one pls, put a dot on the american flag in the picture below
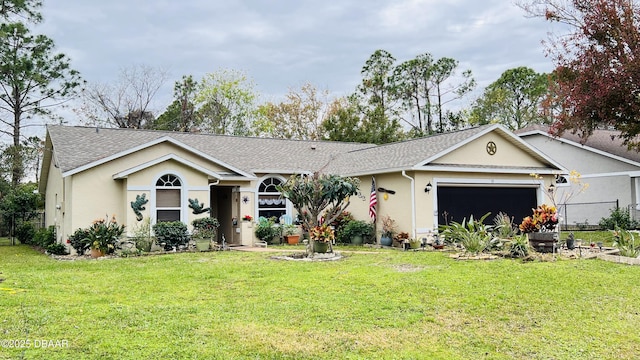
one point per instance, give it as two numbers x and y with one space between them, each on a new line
373 200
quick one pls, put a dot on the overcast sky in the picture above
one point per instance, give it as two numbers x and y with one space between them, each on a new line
282 44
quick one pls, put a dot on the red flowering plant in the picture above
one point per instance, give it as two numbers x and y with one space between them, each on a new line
247 218
544 219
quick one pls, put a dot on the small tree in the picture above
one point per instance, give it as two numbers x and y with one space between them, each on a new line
319 195
19 206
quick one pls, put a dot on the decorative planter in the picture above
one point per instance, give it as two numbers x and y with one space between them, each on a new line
320 247
357 240
203 244
571 244
292 239
414 244
386 241
96 253
543 241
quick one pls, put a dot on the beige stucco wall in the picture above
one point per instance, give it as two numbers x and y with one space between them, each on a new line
475 153
98 195
54 205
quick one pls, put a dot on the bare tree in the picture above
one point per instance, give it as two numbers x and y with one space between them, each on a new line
127 103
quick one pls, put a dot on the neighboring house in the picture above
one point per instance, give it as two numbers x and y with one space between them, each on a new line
611 171
89 173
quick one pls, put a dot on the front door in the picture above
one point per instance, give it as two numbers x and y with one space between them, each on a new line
221 208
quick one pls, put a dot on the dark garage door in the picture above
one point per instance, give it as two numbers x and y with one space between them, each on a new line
458 202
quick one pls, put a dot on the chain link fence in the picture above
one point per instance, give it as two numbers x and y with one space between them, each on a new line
585 216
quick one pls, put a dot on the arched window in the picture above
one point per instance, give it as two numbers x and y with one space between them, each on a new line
269 201
168 198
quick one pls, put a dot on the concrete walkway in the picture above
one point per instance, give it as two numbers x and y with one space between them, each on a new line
275 248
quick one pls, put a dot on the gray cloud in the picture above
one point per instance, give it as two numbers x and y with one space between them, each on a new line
281 44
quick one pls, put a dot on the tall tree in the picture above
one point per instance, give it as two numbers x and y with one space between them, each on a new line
598 64
181 115
299 117
226 101
21 10
447 91
128 102
514 100
377 90
376 99
413 83
33 80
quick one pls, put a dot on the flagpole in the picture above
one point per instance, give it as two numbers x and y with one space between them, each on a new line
373 203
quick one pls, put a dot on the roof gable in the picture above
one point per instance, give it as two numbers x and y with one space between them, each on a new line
416 154
602 142
494 147
174 157
152 143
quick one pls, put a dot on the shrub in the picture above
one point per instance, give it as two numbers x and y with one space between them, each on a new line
57 249
80 240
341 221
104 235
205 227
45 236
25 233
619 217
355 228
266 229
171 233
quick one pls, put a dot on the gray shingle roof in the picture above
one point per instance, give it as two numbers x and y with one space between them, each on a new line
80 146
401 155
608 141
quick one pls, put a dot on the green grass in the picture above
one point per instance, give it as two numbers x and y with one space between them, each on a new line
377 305
605 236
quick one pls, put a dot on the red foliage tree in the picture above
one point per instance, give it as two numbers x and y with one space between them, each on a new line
597 65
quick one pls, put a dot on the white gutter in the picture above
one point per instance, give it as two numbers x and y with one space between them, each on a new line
413 204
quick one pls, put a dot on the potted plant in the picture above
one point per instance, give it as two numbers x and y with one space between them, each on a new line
540 228
247 218
103 235
266 230
401 239
291 233
322 236
388 231
356 231
204 232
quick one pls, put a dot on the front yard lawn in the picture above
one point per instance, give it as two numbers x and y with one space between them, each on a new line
378 305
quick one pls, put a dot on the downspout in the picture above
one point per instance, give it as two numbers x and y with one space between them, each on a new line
413 204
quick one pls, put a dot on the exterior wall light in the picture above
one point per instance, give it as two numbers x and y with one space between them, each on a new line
428 187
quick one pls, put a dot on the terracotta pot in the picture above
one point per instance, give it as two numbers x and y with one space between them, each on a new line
96 253
293 239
